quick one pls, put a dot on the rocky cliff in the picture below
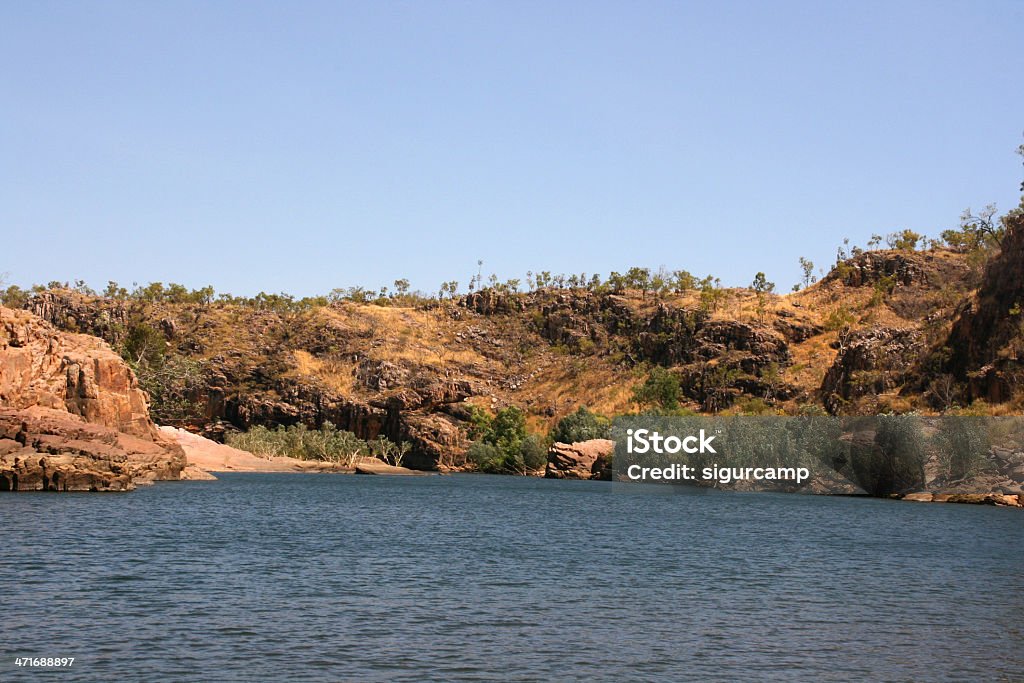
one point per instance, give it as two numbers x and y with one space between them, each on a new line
987 340
872 337
72 416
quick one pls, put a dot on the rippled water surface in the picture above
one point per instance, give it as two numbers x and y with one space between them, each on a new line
334 578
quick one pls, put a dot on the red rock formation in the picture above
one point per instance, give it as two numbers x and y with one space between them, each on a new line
72 416
580 460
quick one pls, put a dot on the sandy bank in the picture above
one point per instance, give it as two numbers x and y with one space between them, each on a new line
211 456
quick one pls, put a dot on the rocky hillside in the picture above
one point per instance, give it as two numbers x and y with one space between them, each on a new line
885 331
987 341
72 416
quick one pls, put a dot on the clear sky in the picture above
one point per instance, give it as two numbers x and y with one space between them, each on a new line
302 146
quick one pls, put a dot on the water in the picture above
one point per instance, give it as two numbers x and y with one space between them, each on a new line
334 578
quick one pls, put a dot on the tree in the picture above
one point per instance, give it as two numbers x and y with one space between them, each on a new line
508 429
533 452
14 297
639 278
616 282
976 230
204 296
710 293
484 455
807 266
762 288
964 442
115 291
903 240
175 385
683 281
582 425
144 344
502 443
659 390
761 284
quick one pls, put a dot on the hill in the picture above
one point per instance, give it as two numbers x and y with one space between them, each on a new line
892 330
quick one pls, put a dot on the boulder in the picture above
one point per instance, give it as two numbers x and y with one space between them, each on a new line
193 473
374 466
580 460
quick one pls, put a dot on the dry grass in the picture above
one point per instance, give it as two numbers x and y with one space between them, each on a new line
405 335
337 375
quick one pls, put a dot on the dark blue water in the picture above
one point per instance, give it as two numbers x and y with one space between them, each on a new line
335 578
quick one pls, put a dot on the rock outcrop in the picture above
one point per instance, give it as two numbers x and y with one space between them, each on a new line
204 455
80 374
987 339
581 460
72 417
870 362
869 267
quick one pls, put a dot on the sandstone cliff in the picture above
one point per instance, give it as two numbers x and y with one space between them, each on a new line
987 340
872 337
72 416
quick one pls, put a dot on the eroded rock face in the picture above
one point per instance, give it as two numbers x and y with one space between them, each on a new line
580 460
75 314
902 267
716 360
870 362
44 449
72 417
40 366
987 339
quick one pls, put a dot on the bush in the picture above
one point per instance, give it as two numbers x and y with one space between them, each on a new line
839 318
582 425
508 430
327 443
174 384
14 297
659 390
144 344
964 443
534 452
504 446
485 456
479 422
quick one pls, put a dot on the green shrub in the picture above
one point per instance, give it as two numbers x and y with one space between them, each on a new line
479 422
485 456
839 318
14 297
505 447
174 384
508 430
328 443
534 452
581 426
659 390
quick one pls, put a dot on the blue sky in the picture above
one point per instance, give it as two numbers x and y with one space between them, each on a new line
304 146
